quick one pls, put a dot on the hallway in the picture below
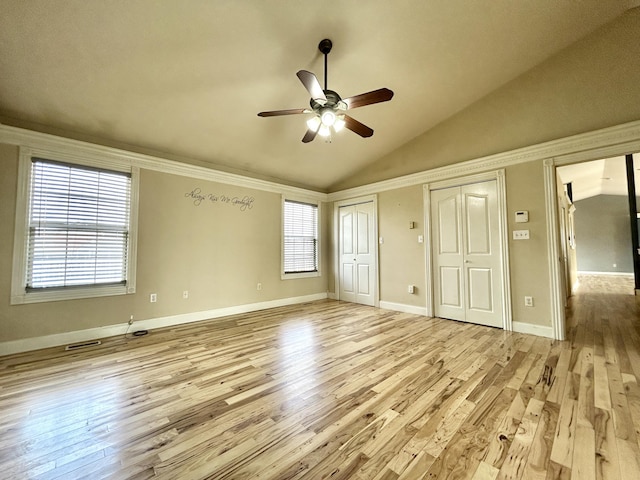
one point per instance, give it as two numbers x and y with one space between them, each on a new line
601 405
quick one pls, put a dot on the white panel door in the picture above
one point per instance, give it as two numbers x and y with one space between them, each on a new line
466 254
482 259
448 259
358 276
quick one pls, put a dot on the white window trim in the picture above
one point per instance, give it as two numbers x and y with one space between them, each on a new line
19 295
291 276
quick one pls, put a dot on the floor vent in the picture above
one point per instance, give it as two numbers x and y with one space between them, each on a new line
76 346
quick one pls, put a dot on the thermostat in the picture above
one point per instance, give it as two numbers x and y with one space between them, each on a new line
522 216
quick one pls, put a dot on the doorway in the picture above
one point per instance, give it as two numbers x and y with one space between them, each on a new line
601 240
553 185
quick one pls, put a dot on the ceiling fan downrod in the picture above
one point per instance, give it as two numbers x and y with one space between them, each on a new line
325 47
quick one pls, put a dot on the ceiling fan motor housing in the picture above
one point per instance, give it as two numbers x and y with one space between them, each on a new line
332 101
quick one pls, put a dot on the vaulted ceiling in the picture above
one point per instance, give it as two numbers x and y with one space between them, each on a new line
185 79
607 176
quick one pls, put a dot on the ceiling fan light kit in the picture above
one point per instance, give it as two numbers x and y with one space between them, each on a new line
328 108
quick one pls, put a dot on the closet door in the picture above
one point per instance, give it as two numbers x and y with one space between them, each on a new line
448 258
466 254
358 276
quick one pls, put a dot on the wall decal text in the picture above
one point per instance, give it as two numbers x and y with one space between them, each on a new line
199 197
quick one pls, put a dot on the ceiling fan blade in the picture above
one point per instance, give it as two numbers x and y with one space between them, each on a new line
310 135
376 96
312 84
357 127
291 111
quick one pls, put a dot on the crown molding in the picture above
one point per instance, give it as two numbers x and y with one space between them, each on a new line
79 149
609 141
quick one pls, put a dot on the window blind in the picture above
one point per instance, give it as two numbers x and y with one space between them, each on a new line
300 237
78 226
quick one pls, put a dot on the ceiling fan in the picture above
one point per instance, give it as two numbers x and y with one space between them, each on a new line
327 106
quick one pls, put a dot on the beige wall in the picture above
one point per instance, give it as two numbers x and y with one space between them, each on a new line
594 83
215 251
401 257
528 259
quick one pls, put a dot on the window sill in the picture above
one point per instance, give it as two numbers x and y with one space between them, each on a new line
70 294
292 276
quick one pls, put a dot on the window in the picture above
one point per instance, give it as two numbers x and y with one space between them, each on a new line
76 236
300 239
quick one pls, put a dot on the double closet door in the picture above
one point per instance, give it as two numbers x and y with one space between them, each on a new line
467 267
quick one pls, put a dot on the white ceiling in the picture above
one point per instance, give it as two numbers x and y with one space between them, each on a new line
599 177
187 78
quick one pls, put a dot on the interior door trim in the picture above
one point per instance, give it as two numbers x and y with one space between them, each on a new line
336 242
498 176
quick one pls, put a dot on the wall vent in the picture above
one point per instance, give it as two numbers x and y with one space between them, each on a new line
76 346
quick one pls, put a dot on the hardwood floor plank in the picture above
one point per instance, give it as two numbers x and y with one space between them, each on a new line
418 468
514 465
586 391
485 472
629 459
622 421
562 370
584 463
632 390
606 448
557 472
564 441
538 461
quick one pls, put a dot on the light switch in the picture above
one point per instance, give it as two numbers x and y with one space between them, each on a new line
420 238
521 234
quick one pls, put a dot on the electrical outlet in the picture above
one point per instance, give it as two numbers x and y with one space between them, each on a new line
528 301
185 294
259 286
411 289
153 298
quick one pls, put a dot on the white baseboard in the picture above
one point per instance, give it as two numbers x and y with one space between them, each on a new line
36 343
518 327
401 307
617 274
531 329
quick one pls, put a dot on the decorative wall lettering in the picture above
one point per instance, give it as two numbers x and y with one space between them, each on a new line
242 203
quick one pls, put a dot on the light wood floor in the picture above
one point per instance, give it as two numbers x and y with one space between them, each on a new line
337 391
